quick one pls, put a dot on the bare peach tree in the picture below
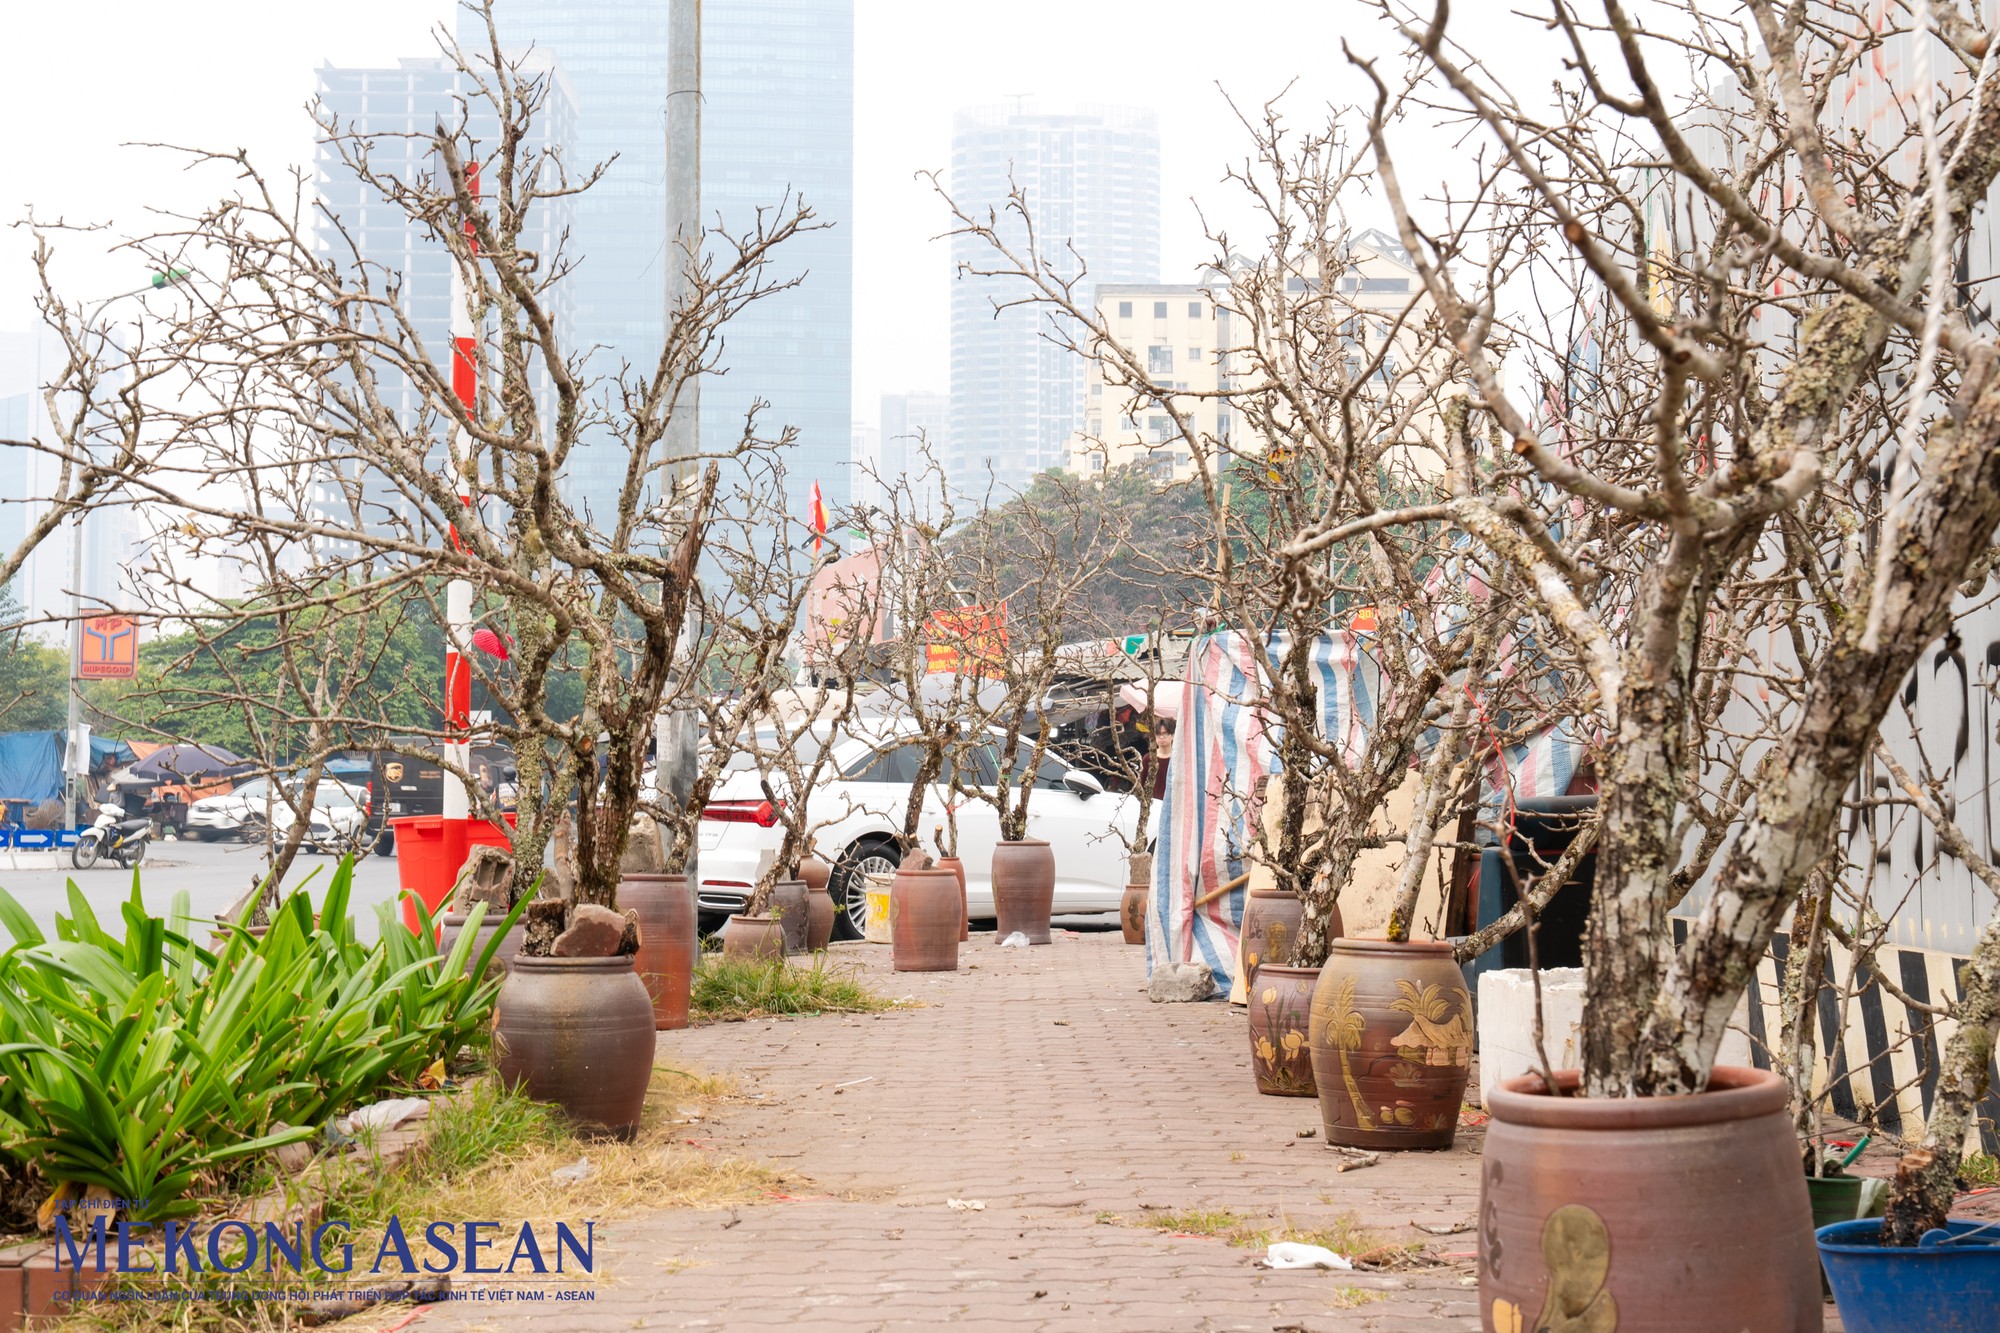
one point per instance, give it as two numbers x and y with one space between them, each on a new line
1779 466
315 379
1318 456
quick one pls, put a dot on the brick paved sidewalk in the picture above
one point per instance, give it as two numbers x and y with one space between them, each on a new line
1042 1084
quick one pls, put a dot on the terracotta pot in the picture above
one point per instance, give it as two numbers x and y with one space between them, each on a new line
1391 1044
924 912
1280 1023
1024 888
788 904
1271 920
819 918
669 941
957 867
1132 912
1646 1213
753 939
815 872
578 1032
454 926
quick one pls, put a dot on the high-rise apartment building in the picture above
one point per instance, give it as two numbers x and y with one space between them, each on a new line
777 124
400 107
1092 183
915 428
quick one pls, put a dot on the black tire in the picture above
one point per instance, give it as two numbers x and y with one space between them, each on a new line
132 855
251 829
849 890
385 843
89 846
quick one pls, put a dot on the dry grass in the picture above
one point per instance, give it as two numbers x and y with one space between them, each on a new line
490 1154
1344 1236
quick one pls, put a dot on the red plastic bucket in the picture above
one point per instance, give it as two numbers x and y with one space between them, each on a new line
422 866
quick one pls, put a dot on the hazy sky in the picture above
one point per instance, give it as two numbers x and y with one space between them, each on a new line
80 79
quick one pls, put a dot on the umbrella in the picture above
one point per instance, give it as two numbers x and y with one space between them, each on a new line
190 761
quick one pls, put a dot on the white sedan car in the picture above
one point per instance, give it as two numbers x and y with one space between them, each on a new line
862 803
338 823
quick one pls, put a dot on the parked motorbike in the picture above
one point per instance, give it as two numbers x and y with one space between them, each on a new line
112 834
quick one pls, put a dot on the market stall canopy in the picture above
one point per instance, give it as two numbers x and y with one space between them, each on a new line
1169 698
31 763
181 762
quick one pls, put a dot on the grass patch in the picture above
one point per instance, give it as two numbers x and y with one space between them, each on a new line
1218 1222
490 1154
1980 1170
1344 1236
730 990
1353 1298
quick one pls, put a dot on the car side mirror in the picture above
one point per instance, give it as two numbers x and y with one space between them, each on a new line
1085 785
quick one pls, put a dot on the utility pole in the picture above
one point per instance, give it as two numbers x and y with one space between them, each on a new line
76 756
674 731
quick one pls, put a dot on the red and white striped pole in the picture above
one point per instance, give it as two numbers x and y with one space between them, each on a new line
457 808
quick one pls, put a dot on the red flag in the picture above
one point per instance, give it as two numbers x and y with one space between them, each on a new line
816 515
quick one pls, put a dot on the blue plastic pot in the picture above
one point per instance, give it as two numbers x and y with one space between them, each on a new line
1948 1288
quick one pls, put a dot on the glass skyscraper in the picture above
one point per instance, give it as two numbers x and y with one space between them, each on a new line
1092 181
777 122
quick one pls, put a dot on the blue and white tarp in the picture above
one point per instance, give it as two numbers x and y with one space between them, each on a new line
1224 750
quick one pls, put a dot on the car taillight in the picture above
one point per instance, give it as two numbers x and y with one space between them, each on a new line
761 813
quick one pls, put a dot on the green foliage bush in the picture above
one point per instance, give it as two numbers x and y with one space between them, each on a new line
148 1063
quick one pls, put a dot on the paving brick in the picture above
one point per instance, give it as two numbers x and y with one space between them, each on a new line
1041 1083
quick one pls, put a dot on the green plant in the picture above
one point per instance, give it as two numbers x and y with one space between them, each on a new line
147 1065
728 988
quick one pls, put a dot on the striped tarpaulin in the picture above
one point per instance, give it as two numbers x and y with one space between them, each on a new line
1224 747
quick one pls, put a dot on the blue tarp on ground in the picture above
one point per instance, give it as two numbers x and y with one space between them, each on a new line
31 763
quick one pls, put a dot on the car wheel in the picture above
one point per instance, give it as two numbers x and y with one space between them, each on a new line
848 885
251 829
385 845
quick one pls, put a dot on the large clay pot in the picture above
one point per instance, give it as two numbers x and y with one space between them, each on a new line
788 904
957 867
924 912
1391 1044
454 926
1132 913
1271 920
819 917
578 1032
1280 1023
753 939
815 872
1024 888
669 941
1645 1213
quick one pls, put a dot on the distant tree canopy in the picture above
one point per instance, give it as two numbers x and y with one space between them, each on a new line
1150 580
34 676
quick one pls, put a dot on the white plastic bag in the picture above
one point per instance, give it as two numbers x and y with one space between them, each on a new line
1015 941
1291 1254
